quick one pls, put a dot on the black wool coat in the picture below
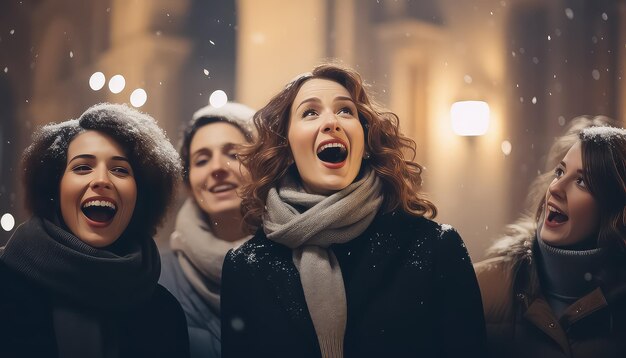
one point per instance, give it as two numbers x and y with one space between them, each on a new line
155 328
410 287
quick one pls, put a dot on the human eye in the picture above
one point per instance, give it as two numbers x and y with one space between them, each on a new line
120 171
309 113
81 169
200 160
581 182
558 172
232 154
346 110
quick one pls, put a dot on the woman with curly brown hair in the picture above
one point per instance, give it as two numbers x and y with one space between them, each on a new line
79 278
346 261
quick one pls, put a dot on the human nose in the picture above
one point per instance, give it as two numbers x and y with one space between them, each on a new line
331 124
101 180
218 167
556 188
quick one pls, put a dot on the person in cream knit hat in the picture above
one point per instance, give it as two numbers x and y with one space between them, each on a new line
209 223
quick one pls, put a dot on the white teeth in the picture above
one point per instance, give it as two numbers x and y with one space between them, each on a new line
222 187
99 203
330 145
553 209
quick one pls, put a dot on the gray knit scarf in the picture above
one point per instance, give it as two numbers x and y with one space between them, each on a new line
309 224
200 254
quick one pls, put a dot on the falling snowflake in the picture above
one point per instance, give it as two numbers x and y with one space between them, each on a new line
12 31
569 13
206 72
534 100
595 74
212 43
6 70
71 54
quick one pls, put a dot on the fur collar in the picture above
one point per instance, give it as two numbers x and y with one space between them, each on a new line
517 242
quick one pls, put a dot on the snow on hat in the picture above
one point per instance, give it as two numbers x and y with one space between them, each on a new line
234 113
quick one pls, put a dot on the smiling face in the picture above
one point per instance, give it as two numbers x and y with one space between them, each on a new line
571 212
215 174
98 190
325 136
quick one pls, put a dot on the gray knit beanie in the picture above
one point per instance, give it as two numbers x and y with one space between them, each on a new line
234 113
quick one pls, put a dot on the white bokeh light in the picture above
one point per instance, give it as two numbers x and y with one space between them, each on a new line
218 98
506 147
117 83
7 222
97 81
138 98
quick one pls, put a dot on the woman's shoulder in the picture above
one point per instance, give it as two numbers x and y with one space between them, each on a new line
505 255
16 286
259 247
413 227
164 299
172 277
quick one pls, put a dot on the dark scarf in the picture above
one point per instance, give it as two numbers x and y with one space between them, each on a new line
116 278
567 275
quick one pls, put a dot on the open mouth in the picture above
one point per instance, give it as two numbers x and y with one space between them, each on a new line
555 216
100 211
333 152
220 188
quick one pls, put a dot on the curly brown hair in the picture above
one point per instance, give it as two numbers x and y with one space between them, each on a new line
269 159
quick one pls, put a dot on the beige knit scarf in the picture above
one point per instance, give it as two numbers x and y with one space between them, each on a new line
200 254
309 224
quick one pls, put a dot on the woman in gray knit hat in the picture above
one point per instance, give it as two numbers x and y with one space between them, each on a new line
210 222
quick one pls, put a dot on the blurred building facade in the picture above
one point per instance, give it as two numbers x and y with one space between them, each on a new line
536 63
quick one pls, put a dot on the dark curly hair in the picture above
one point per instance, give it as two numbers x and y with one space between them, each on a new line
155 163
268 160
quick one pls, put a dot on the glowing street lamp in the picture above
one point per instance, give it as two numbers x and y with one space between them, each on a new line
470 118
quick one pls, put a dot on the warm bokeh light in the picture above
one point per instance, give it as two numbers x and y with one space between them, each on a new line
7 222
138 98
97 81
506 147
470 118
218 98
117 83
